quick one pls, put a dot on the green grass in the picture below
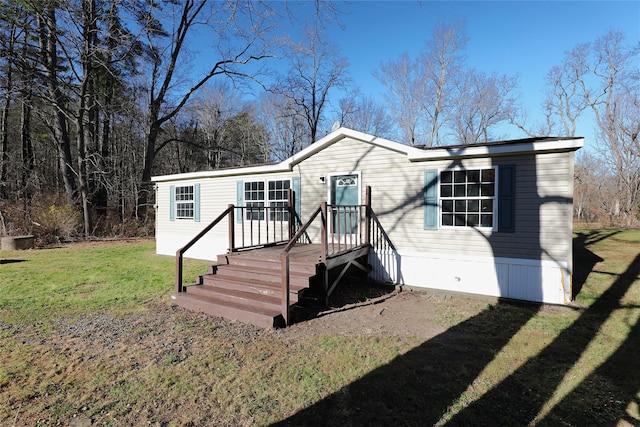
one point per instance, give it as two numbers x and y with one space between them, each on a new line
89 331
75 280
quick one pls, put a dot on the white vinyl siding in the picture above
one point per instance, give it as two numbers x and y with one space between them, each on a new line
398 199
444 257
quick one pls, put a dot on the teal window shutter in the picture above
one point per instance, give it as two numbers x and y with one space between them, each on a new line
239 200
430 191
196 202
507 199
295 184
172 203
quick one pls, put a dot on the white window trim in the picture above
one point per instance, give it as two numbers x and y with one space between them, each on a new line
494 226
266 201
177 202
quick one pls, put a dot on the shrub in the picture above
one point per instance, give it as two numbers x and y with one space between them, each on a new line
55 220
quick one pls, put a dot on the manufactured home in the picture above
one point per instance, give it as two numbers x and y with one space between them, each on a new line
491 219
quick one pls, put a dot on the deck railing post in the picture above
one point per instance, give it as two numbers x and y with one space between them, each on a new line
285 287
179 287
291 210
323 232
232 228
367 201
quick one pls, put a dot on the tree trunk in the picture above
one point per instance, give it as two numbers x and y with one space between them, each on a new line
48 49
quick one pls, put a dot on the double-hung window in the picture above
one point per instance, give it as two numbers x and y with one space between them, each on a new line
275 197
278 200
468 198
254 200
184 202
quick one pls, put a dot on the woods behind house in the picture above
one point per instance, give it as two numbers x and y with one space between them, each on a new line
96 97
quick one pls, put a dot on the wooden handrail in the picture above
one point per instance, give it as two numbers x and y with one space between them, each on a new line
180 252
284 256
324 241
271 214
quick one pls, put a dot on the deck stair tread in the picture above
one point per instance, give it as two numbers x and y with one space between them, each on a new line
259 316
259 274
247 286
265 263
257 299
258 286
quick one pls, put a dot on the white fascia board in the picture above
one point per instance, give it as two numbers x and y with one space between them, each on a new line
248 170
497 150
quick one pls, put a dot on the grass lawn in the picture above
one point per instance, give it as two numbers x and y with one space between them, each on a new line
88 336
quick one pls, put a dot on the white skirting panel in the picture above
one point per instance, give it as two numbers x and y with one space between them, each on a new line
525 279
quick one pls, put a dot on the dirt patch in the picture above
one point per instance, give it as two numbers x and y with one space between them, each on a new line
363 309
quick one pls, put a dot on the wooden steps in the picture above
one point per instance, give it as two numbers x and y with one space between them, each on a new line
247 287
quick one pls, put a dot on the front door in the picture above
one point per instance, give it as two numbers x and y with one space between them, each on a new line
345 191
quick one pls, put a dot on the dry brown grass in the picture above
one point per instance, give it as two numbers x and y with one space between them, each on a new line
73 350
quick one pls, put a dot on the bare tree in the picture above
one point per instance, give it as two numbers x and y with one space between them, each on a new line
48 32
241 35
613 98
364 113
405 96
483 101
436 99
215 105
316 68
441 64
285 125
602 78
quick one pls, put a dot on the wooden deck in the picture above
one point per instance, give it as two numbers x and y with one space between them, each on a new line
259 284
302 253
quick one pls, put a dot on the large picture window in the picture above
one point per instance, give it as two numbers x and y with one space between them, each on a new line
468 198
275 196
184 202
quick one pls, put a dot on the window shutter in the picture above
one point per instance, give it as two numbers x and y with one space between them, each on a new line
506 199
239 200
196 202
295 184
430 199
172 203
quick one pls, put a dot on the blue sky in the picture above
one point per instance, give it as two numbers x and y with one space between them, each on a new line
514 37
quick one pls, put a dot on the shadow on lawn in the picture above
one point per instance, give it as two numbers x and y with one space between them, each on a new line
419 387
11 261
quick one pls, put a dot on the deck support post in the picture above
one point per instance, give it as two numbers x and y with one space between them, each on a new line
285 288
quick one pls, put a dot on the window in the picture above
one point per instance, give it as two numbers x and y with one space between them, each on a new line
254 198
184 202
278 199
275 197
467 198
